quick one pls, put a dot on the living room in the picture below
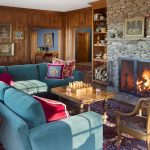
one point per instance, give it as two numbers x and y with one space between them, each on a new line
100 47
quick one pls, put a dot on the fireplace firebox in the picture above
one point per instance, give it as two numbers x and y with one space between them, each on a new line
134 76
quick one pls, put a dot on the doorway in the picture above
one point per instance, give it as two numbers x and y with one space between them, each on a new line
83 47
38 44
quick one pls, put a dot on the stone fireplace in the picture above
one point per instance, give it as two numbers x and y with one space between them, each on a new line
134 76
132 49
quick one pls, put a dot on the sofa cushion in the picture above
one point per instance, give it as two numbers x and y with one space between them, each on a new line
53 110
3 87
42 70
25 106
23 72
55 71
5 77
3 69
57 82
31 86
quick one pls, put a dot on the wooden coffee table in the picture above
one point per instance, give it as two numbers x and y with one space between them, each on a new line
84 99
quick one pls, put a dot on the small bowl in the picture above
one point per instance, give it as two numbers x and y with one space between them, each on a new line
103 42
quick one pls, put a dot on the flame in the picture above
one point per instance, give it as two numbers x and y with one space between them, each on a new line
144 83
146 76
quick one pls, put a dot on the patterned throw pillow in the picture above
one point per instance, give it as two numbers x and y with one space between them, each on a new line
53 110
69 66
55 71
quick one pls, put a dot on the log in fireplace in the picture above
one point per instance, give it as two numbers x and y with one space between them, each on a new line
134 76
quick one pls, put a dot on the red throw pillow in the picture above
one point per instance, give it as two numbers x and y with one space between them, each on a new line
6 78
53 110
69 66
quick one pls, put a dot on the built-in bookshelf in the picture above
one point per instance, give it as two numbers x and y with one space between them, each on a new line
99 44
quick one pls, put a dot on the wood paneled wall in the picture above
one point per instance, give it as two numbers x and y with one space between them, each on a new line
75 19
27 19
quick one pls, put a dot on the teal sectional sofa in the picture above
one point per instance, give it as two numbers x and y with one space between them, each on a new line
24 125
31 78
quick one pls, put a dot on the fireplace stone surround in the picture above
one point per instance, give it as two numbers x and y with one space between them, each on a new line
117 12
131 49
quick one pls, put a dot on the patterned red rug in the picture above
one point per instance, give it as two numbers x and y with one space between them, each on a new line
110 134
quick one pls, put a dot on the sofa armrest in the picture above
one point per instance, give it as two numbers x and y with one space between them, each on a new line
14 133
78 75
80 132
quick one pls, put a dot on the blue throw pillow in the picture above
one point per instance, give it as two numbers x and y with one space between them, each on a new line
55 71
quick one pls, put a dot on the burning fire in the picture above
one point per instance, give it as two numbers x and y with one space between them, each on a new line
143 84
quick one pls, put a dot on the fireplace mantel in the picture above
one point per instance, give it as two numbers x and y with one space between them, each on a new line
127 39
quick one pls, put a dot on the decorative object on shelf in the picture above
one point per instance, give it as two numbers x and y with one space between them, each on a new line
105 56
98 29
103 42
49 40
98 41
96 16
18 35
102 17
101 74
103 29
7 49
134 27
99 55
5 31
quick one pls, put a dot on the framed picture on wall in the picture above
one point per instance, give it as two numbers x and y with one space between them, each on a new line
18 35
134 27
6 49
49 40
5 31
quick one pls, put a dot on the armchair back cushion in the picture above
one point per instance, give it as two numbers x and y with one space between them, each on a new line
23 72
25 106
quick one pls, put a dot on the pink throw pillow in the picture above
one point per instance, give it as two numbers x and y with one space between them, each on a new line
69 66
53 110
6 78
